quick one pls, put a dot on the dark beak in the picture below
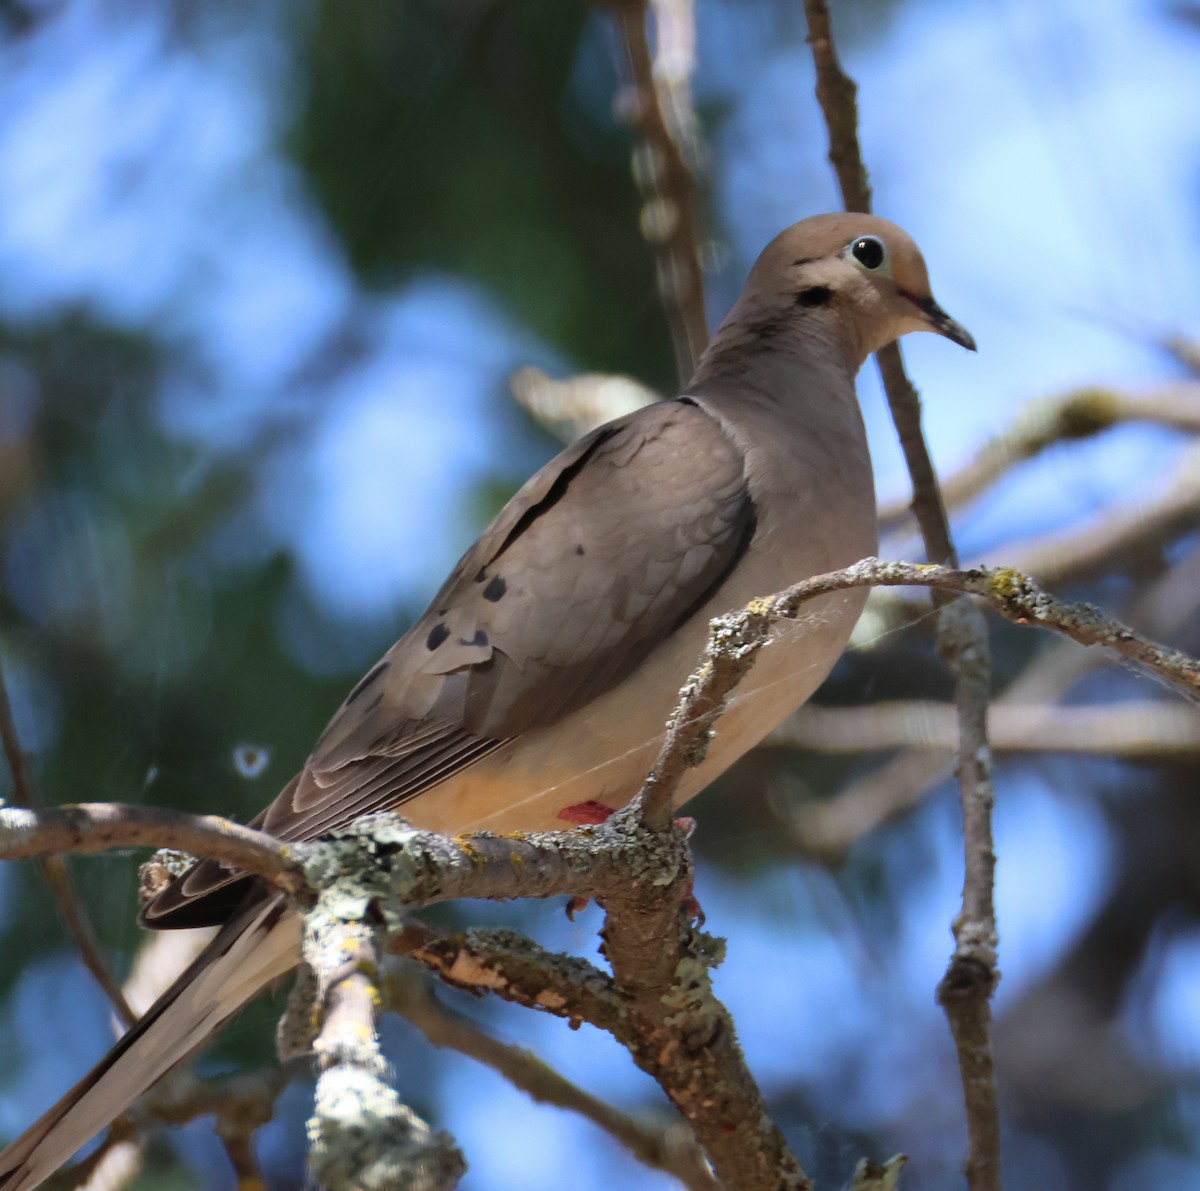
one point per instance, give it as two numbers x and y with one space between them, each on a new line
942 323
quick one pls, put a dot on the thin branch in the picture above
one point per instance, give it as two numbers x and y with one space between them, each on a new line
962 637
965 991
515 969
838 96
1120 536
830 827
668 218
1185 350
1133 729
1081 413
670 1147
55 870
98 826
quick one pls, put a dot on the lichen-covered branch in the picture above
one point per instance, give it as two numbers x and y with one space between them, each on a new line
682 1035
659 1003
98 826
516 969
361 1136
669 1146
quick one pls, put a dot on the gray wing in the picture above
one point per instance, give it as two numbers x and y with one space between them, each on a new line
592 564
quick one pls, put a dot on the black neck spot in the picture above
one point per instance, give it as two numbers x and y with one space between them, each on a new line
814 295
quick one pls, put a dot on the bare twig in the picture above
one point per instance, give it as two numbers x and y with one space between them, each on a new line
1119 537
828 828
1081 413
670 1147
668 218
838 96
966 989
962 637
1184 349
1133 729
98 826
55 870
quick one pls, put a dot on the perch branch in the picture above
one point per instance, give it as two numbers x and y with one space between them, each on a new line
360 1134
98 826
659 1003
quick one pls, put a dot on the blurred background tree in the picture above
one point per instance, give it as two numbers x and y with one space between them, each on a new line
264 272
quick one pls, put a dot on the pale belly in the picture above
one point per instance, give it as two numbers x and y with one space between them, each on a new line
603 752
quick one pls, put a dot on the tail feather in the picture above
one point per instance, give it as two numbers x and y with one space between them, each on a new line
257 946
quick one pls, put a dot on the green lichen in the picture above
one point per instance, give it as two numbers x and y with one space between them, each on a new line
1007 583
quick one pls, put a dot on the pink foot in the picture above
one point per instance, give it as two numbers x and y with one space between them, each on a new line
589 814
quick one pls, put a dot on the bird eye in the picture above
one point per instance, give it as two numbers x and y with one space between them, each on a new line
869 251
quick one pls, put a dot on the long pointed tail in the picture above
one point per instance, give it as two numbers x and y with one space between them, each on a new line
258 945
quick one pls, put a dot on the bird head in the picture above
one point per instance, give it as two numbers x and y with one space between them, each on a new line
866 272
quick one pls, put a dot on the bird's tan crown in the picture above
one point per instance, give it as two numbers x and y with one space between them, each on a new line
821 237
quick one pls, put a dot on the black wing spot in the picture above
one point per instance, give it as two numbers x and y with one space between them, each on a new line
480 638
482 575
496 589
366 682
437 635
579 549
814 295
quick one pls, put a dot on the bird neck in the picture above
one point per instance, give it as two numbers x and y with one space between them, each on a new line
770 350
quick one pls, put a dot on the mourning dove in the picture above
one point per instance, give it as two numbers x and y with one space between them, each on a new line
535 688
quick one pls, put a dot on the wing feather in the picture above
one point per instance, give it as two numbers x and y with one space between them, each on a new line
594 562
